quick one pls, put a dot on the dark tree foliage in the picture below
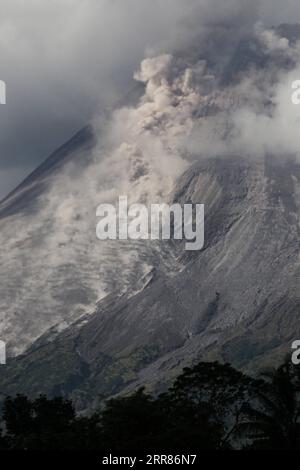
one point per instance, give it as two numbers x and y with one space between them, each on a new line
39 424
219 388
273 421
164 423
210 406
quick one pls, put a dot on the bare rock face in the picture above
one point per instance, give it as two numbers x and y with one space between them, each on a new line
236 300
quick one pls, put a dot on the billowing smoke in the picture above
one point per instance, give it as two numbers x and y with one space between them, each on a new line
256 115
140 153
63 59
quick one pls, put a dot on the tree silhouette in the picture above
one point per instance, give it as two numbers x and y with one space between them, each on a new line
273 421
144 423
209 406
39 424
219 388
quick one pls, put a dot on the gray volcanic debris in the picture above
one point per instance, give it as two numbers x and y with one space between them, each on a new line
236 300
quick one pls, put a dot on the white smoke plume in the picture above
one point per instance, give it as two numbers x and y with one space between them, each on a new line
62 58
140 153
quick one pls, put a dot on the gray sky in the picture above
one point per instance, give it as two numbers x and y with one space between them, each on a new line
62 60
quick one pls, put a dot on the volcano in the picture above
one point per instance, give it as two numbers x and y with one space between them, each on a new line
88 319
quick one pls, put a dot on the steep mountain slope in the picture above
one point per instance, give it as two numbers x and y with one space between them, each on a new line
237 300
24 198
23 260
53 268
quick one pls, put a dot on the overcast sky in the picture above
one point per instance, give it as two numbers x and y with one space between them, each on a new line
63 60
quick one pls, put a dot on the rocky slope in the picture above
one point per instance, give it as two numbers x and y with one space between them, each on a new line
237 300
